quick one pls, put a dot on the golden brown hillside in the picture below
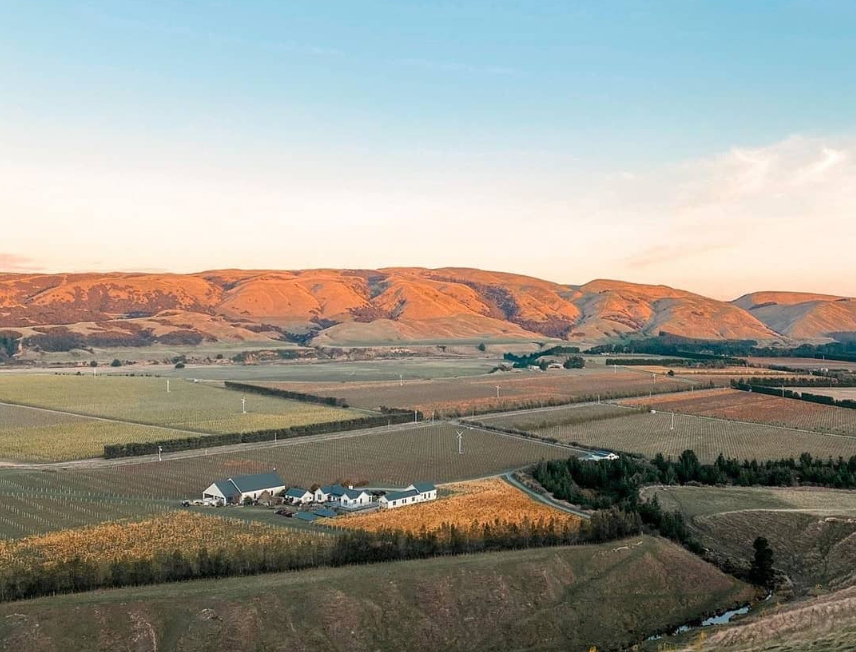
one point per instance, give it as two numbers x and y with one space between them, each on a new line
392 304
802 315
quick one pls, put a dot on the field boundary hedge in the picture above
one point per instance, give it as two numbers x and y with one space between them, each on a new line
285 393
133 449
799 396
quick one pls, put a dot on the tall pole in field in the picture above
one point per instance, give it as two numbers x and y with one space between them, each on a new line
497 390
243 405
460 442
167 385
415 416
400 380
160 450
672 426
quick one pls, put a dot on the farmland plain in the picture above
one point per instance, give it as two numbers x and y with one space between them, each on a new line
322 371
34 501
758 408
649 434
464 395
199 407
32 435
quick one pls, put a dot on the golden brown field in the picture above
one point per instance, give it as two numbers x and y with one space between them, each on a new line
132 541
477 502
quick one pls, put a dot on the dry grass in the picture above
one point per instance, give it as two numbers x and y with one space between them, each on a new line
478 502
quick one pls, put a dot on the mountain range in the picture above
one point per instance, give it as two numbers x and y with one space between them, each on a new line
402 304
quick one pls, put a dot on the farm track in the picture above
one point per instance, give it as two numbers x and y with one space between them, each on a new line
509 478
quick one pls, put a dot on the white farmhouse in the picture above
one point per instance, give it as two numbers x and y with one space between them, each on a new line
416 493
355 498
331 493
236 490
298 495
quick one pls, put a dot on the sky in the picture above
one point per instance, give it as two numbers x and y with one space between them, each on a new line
708 145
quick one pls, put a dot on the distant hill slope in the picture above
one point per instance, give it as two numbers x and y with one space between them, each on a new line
801 315
570 599
396 304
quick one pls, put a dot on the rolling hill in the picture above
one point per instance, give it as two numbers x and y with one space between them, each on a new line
801 315
607 596
401 304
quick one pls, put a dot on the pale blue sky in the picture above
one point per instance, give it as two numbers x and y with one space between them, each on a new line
297 133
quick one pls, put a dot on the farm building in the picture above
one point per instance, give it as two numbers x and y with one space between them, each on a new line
297 495
331 493
416 493
355 498
236 490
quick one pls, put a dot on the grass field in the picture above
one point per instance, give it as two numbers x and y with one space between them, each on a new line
569 599
459 396
323 371
30 435
131 403
649 434
478 502
758 408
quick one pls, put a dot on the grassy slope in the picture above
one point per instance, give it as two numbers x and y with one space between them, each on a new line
812 531
549 599
823 624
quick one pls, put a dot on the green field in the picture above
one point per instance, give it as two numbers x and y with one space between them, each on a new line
130 404
32 435
649 434
567 599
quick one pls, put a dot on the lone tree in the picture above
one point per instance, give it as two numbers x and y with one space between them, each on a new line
761 572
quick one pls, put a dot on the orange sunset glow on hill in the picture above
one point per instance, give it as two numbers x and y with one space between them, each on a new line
400 304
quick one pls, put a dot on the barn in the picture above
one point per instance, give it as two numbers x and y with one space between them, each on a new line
237 489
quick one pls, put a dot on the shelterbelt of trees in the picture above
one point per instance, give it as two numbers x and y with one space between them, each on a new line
616 484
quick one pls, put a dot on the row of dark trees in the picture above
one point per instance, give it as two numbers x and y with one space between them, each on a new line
131 449
23 579
787 393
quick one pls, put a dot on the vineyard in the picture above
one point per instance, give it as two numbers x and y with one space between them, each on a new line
519 389
758 408
37 501
537 420
134 403
649 434
187 405
30 435
165 546
479 502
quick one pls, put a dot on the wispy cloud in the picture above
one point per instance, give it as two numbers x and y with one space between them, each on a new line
15 263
